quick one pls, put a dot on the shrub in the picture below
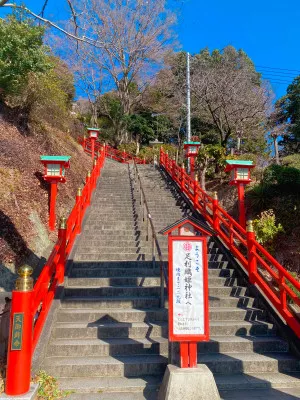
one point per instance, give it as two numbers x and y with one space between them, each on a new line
271 174
259 196
289 177
266 229
292 160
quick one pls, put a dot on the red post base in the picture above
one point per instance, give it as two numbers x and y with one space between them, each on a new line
188 354
19 361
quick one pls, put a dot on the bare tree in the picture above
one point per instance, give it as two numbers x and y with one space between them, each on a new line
228 93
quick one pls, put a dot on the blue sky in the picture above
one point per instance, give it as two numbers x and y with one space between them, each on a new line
268 31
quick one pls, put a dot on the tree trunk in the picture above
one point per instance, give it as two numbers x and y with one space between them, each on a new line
137 147
276 151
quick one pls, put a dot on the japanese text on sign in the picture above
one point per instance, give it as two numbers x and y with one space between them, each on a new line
188 288
17 331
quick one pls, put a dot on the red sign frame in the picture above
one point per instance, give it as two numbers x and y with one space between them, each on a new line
189 338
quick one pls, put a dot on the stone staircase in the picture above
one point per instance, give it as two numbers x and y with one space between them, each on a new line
109 338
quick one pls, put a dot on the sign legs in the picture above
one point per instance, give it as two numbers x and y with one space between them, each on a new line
188 354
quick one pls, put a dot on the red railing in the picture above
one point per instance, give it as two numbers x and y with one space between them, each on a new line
277 284
118 155
42 295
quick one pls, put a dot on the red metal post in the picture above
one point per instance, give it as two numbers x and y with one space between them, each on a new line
95 174
124 155
79 209
161 156
93 147
182 177
196 193
18 373
144 161
184 354
84 142
192 166
62 233
192 354
252 262
216 221
89 189
242 211
52 216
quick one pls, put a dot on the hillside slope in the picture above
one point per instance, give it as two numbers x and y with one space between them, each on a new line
24 196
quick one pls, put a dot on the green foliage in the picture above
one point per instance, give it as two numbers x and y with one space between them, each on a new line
139 128
211 156
266 229
259 196
292 160
21 53
48 387
289 106
287 178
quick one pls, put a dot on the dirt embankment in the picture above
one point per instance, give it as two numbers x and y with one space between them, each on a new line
24 195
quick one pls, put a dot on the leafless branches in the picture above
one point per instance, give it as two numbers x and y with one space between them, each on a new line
43 9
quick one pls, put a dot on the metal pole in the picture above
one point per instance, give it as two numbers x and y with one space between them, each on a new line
188 122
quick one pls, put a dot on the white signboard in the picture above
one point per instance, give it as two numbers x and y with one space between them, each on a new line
188 288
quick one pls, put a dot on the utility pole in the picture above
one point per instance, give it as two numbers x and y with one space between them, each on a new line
188 122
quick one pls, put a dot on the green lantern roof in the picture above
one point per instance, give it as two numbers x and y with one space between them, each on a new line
239 162
55 158
93 129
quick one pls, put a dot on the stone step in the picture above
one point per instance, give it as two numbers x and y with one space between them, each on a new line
159 345
111 385
133 256
94 273
115 329
112 291
131 315
123 315
140 281
108 347
134 366
147 302
254 381
249 362
146 395
133 291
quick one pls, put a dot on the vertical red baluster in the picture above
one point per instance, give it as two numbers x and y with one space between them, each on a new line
182 177
18 373
62 233
196 193
88 185
252 262
192 354
184 355
216 221
79 209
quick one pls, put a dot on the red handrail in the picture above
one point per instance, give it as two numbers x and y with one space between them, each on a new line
42 295
118 155
277 284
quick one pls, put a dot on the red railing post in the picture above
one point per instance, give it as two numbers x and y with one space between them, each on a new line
282 291
52 214
173 168
95 174
196 193
216 221
18 373
79 209
84 142
161 162
182 181
252 262
89 189
124 155
62 234
144 161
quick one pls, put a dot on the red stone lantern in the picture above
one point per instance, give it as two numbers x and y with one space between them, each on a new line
240 176
54 172
93 135
191 151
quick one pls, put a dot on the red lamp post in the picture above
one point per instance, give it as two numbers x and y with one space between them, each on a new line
240 177
93 135
191 151
54 172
